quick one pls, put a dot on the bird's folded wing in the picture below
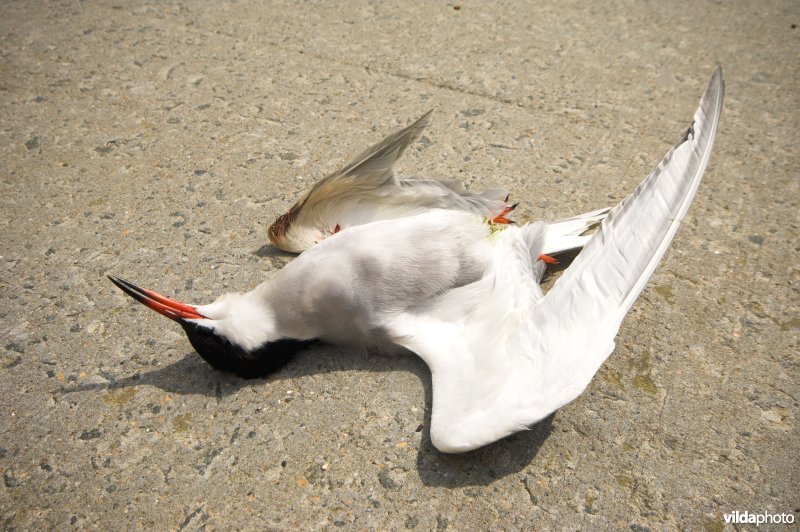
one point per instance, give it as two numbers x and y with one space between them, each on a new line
371 168
503 357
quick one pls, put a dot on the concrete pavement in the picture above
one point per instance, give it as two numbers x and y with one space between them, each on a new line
157 141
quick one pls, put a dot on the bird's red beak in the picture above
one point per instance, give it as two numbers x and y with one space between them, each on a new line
161 304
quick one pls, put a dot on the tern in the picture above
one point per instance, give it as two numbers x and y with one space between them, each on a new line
367 189
464 294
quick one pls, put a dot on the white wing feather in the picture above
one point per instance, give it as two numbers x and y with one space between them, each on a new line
502 355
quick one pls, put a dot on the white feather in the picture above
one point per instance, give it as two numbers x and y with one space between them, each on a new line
569 233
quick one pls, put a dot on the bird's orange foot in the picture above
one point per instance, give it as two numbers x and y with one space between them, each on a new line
501 218
547 259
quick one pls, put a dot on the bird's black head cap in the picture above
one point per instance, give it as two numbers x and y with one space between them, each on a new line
222 354
217 350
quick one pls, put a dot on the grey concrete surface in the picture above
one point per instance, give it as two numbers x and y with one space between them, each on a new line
157 141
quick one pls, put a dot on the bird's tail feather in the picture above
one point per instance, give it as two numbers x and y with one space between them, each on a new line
570 233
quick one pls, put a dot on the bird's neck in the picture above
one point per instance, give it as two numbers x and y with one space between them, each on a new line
281 307
253 319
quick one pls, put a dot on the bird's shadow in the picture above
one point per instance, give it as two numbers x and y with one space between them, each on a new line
271 252
191 375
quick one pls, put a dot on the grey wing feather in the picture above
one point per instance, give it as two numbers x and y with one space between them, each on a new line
372 167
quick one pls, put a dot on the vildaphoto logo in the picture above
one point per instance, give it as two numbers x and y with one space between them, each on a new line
741 518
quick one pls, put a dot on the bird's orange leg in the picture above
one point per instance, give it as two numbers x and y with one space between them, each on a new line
547 259
501 218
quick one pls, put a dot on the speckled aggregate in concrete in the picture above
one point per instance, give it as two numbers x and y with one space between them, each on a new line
157 140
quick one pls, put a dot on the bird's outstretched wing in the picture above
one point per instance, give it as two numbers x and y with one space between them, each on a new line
502 355
372 168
